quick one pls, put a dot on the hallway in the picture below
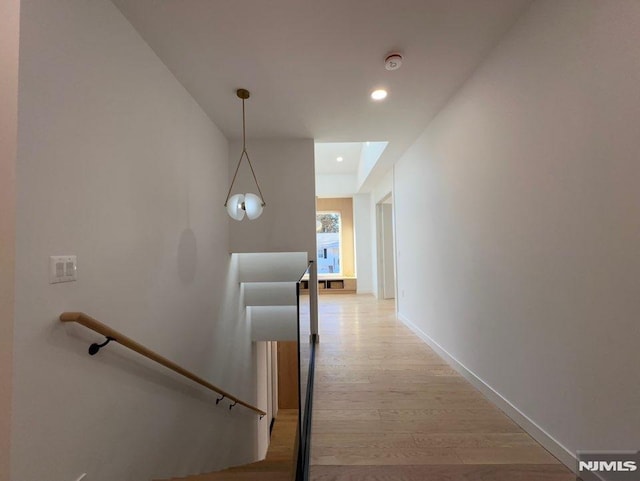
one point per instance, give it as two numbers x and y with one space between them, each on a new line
386 407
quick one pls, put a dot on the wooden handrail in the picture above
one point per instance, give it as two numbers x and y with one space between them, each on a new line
95 325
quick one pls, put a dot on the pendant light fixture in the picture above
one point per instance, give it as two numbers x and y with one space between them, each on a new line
240 204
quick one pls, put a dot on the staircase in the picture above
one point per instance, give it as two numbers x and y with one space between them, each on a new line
277 466
268 286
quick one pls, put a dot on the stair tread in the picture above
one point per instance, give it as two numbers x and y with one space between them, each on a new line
242 475
265 465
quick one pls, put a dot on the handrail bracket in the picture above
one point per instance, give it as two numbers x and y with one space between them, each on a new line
95 347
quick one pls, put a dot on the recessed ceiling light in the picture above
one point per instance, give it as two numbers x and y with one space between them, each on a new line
339 159
379 94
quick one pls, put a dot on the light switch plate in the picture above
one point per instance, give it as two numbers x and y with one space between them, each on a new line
63 269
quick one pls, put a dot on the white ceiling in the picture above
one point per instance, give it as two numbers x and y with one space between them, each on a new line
326 154
310 65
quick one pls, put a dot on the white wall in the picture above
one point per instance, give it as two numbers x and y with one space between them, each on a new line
369 156
363 227
517 223
335 185
383 188
285 171
9 41
118 165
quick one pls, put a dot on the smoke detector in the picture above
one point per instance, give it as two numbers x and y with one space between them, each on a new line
393 61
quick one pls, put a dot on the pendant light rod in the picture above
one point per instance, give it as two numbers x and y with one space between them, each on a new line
244 94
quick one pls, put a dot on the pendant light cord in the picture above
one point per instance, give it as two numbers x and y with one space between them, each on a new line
245 154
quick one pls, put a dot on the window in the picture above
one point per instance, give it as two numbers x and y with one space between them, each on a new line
328 241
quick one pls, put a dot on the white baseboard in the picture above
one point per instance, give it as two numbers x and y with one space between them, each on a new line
565 456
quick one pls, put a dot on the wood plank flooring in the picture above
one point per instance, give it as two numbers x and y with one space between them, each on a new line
387 408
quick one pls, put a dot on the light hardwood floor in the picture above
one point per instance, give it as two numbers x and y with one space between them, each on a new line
387 407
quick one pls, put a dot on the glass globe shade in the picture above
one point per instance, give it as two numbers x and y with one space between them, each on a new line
253 206
234 207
